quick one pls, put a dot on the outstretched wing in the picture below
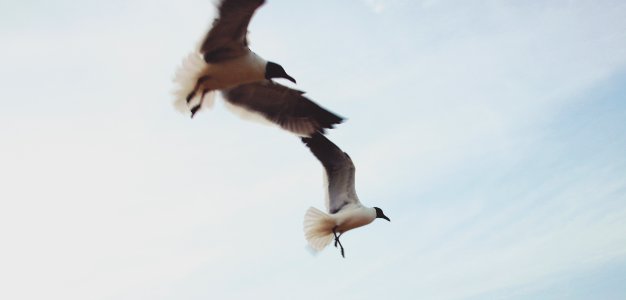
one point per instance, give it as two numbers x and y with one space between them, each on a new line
282 105
339 170
227 37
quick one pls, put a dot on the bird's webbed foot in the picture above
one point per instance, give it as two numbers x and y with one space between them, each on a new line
197 107
191 95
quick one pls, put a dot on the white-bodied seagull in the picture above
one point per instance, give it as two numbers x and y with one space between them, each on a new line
224 62
345 211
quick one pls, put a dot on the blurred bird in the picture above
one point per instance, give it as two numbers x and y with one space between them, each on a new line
224 62
345 210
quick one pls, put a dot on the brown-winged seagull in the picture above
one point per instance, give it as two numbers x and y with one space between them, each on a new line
345 211
224 62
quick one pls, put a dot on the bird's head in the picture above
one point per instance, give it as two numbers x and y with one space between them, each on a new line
380 214
274 70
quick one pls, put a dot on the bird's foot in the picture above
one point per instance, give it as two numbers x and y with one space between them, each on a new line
194 110
343 254
190 96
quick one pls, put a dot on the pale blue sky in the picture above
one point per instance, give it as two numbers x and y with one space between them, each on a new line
490 132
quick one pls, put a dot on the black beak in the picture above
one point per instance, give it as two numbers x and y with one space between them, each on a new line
290 78
385 217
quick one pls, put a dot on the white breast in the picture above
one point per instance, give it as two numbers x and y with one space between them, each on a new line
351 217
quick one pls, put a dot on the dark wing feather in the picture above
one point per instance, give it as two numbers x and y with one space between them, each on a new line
339 169
227 37
284 106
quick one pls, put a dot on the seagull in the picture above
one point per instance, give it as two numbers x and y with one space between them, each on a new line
224 62
345 211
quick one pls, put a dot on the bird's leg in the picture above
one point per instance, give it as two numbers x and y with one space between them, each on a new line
341 247
195 88
338 242
199 105
337 236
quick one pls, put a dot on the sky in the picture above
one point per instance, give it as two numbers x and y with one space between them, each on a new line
490 132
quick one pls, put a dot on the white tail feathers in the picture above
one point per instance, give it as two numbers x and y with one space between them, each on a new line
185 79
318 228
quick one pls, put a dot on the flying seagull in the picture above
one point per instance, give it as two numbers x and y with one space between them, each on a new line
224 62
345 211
